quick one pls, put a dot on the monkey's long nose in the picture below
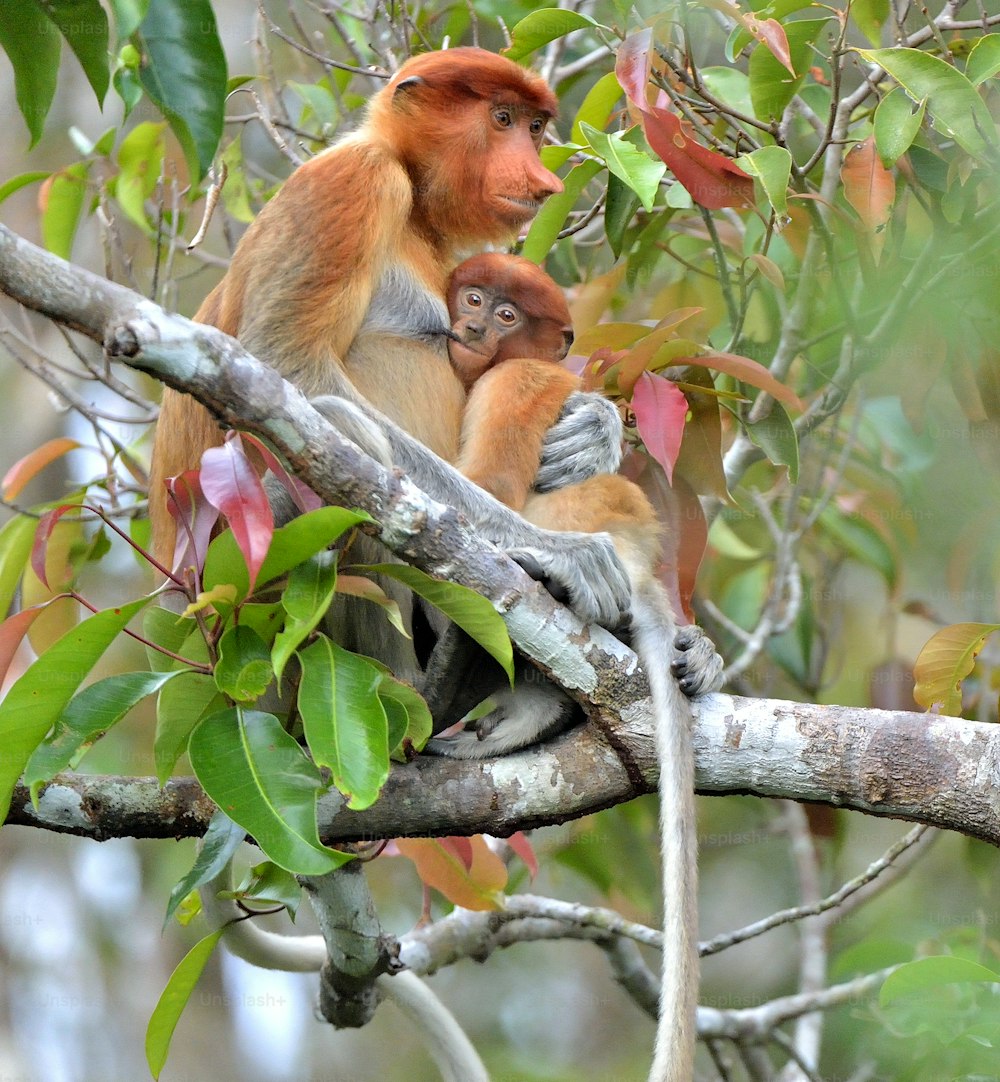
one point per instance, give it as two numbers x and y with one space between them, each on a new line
543 183
474 329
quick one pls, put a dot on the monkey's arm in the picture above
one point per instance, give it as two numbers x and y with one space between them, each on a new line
584 565
585 442
509 411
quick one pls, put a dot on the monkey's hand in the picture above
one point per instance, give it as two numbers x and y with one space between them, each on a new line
584 442
581 570
696 665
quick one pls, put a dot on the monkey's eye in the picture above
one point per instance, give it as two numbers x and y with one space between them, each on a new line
503 117
473 299
537 126
507 315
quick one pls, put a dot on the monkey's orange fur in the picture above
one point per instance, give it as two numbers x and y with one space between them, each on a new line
341 278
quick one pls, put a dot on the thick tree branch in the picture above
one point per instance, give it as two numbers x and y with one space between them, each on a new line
939 771
928 769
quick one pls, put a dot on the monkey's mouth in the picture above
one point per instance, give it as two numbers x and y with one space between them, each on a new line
526 208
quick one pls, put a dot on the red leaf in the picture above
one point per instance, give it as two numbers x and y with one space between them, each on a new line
711 178
522 846
33 463
46 524
870 189
231 484
12 631
743 368
660 409
304 497
771 34
194 517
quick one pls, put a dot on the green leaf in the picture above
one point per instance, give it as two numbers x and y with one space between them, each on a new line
344 719
945 660
184 74
641 172
140 161
927 973
551 218
418 715
236 191
32 46
173 1000
952 101
473 613
871 16
36 700
267 884
307 596
244 668
853 534
88 717
776 437
15 184
984 59
222 838
260 777
620 206
306 535
128 14
63 204
896 125
543 26
16 540
85 27
181 705
772 166
178 634
771 84
597 107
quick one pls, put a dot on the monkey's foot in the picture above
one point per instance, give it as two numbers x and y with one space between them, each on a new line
522 717
582 570
696 665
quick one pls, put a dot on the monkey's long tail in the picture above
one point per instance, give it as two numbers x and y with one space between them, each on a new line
653 639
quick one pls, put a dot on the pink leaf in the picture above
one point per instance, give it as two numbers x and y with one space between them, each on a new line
522 846
660 410
304 497
231 484
632 66
194 517
460 848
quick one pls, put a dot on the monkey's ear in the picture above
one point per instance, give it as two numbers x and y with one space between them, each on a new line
408 84
567 333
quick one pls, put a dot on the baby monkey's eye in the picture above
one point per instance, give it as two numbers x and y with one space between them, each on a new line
473 299
507 315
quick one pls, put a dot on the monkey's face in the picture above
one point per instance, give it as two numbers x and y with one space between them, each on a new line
483 322
514 179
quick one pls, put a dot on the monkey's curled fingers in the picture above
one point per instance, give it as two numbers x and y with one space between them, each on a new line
584 442
696 665
583 570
